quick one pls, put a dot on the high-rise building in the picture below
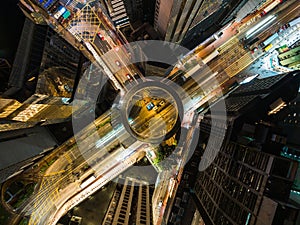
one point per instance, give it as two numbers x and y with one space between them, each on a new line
44 75
247 8
181 207
291 123
249 177
117 12
130 204
5 68
29 53
289 119
215 15
42 78
140 10
40 48
174 18
241 104
39 141
242 184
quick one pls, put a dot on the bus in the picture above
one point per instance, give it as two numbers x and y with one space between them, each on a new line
87 181
192 71
211 56
249 42
269 40
270 7
294 22
259 26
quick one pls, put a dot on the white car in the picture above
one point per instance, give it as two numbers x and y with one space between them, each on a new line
162 102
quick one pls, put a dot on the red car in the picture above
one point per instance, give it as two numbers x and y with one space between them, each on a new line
129 77
100 36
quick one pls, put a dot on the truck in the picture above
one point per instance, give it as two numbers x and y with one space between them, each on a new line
294 22
270 7
269 40
87 181
211 56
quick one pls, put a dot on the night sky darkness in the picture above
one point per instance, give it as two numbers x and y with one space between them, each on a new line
11 23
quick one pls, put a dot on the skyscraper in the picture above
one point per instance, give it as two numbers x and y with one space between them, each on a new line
5 68
117 12
44 73
140 10
174 18
130 204
40 48
29 53
249 182
242 184
39 141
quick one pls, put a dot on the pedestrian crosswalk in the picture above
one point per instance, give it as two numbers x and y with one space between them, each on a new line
46 202
239 65
228 45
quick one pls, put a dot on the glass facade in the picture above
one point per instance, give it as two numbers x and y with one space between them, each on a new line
174 18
